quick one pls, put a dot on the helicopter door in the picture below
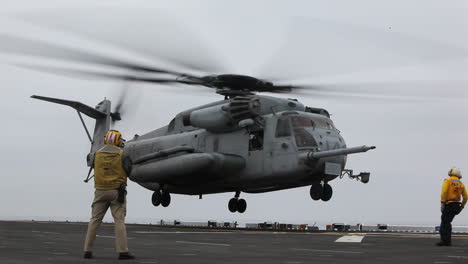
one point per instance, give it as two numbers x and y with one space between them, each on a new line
256 145
283 149
256 140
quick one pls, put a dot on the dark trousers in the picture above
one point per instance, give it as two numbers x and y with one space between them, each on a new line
449 212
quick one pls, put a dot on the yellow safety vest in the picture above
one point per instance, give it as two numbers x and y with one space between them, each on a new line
108 170
453 190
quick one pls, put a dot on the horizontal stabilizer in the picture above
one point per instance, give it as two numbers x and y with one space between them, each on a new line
87 110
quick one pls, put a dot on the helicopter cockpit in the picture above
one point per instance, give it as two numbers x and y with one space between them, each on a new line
306 130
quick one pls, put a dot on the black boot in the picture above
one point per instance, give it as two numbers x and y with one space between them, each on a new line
443 244
88 255
126 255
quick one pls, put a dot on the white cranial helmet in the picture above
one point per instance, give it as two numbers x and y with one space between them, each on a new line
455 172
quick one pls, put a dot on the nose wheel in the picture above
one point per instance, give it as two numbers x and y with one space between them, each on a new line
327 192
237 205
156 198
321 192
161 198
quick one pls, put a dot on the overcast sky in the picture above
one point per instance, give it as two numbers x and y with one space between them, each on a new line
398 49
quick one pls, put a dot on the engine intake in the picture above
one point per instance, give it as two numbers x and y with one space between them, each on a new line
224 117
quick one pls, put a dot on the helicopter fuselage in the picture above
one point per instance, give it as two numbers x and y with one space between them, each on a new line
259 152
246 143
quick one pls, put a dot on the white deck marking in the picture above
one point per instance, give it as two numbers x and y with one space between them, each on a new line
202 243
328 251
350 239
458 257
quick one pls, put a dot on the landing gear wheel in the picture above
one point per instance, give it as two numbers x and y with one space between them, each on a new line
166 199
156 198
316 191
232 205
327 192
241 205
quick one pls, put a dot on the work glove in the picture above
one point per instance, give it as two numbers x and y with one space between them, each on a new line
442 206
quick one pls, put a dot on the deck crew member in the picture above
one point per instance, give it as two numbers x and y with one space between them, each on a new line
452 192
110 180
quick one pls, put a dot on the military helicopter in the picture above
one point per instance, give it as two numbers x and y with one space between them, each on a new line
245 142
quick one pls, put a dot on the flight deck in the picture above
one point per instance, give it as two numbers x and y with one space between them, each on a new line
47 242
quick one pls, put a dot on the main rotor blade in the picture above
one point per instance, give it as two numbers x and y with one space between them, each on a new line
415 89
23 46
112 76
148 31
320 48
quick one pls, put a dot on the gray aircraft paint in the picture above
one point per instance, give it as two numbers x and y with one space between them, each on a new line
205 150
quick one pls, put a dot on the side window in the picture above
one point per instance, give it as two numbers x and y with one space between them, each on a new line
283 128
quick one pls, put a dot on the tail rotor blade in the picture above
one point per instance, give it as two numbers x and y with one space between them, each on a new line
118 110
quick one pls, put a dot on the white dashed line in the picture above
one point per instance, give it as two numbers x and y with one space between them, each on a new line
202 243
129 238
327 251
458 257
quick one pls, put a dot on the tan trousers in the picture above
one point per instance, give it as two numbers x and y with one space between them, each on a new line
103 199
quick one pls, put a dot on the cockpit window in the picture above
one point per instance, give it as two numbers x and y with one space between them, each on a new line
302 121
304 138
283 129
